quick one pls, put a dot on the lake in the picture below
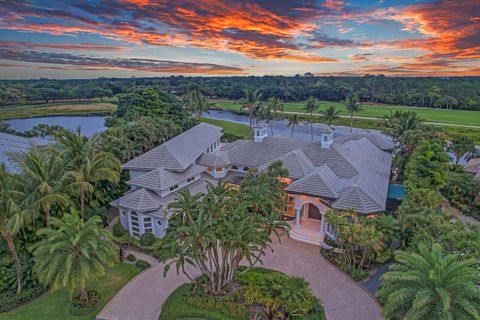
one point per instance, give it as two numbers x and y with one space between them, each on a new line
89 125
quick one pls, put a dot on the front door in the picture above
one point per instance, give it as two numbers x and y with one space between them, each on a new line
314 212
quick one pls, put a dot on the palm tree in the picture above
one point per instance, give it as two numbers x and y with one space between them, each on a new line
95 167
11 218
401 121
74 146
293 120
430 285
330 114
251 100
275 105
196 102
43 174
352 107
311 105
74 252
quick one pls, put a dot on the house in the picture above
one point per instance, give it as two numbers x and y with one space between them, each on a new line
473 166
12 144
352 171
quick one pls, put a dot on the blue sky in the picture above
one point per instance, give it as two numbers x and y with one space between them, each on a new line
124 38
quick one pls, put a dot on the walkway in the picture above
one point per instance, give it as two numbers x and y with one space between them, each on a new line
344 299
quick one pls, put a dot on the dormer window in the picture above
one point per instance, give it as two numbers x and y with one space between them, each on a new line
234 167
175 187
190 179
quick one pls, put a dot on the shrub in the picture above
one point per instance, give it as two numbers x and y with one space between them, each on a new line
142 265
278 293
11 300
147 239
131 258
82 307
118 230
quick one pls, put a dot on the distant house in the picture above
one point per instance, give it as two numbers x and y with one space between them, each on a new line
473 166
12 144
347 172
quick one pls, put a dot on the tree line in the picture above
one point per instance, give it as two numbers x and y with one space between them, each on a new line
446 93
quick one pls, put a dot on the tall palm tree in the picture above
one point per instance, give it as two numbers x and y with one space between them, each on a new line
74 146
430 285
352 107
275 105
330 114
74 252
95 167
402 121
311 105
11 218
43 174
293 120
250 101
196 102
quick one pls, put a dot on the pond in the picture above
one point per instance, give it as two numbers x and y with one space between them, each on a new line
89 125
280 127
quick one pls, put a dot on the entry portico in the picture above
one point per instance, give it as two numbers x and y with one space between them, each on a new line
309 222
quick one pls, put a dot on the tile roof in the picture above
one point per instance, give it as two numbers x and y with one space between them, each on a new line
319 183
145 200
380 140
355 198
178 153
350 161
11 144
161 179
296 162
473 166
218 159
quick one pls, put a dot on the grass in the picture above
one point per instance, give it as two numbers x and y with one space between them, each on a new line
474 133
176 307
230 127
378 111
59 109
56 304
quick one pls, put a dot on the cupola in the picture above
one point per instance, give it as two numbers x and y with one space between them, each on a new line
260 131
326 137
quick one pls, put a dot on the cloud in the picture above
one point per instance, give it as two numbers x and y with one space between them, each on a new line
26 45
361 57
95 63
208 24
443 34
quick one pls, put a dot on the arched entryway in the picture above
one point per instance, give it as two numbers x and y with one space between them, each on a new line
309 223
312 212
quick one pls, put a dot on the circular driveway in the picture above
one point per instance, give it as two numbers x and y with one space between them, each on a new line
343 298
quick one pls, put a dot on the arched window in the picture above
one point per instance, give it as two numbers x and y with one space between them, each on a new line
234 167
159 223
246 168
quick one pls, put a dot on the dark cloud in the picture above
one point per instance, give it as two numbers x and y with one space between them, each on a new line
148 65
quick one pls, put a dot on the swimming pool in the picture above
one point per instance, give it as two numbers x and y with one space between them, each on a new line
396 191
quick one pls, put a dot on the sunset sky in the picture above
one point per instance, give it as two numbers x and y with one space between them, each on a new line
143 38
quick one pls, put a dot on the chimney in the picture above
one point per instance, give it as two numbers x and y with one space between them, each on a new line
260 131
326 137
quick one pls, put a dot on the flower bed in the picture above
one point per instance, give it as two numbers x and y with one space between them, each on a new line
256 294
83 306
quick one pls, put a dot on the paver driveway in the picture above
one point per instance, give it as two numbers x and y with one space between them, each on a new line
344 299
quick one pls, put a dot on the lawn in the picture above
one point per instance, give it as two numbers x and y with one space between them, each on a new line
176 307
60 109
378 111
56 305
230 127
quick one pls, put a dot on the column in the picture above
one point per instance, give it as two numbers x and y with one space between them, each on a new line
297 218
322 224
